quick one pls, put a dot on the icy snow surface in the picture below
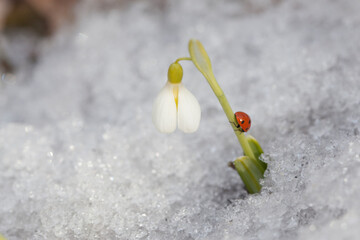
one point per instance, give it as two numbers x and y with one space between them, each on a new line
80 158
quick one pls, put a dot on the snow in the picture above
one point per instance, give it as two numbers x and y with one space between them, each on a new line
80 158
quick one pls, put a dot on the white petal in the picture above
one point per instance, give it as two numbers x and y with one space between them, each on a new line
189 112
164 110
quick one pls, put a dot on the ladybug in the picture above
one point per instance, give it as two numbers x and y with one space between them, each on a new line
243 120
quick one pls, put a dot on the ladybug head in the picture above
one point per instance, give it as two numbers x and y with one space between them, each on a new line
243 120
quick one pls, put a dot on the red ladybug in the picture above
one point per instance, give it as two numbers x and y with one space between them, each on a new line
243 120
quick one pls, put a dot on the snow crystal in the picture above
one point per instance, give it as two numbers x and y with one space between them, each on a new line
80 158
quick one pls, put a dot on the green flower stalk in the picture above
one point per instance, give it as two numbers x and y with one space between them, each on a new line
250 168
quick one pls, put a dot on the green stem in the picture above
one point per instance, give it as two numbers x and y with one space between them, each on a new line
202 62
230 115
227 109
249 167
183 58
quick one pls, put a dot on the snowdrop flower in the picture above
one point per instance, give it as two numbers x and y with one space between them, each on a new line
175 105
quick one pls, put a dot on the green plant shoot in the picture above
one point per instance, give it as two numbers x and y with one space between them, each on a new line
250 168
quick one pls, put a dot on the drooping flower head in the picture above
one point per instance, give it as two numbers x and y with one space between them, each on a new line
175 106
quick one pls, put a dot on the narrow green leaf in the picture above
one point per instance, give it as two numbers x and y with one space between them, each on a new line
250 172
255 146
256 149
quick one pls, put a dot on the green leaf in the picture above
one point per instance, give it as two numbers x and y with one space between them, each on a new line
250 172
256 150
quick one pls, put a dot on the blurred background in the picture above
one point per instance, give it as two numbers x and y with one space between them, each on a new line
24 24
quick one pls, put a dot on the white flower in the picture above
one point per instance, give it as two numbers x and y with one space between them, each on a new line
175 105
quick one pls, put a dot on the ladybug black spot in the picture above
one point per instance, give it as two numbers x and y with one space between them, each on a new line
242 122
249 121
